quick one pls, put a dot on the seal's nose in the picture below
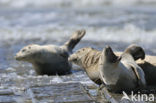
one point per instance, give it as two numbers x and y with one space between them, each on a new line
16 57
143 54
69 59
119 58
72 58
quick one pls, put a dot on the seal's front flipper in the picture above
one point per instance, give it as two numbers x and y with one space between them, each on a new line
75 38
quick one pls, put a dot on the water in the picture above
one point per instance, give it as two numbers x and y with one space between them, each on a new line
117 23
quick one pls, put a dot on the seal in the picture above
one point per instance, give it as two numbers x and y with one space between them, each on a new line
88 58
116 70
50 59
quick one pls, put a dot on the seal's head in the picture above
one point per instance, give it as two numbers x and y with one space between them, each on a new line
136 51
108 56
77 57
28 53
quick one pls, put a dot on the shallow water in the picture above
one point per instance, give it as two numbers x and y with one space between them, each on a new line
107 22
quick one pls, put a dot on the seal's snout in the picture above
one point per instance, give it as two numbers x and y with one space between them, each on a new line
16 57
143 57
119 58
140 55
72 58
143 54
69 59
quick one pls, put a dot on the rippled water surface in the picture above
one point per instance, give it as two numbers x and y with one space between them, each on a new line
107 22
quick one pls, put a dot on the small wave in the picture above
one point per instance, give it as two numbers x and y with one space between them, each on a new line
129 33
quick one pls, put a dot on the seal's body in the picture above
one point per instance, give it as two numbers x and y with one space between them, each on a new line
88 58
50 59
120 73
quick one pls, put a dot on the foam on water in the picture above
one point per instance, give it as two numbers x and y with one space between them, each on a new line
114 24
129 34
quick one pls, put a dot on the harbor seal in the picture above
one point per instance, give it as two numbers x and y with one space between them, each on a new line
50 59
88 59
115 71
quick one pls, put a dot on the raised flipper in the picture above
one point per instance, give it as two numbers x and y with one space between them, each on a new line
75 38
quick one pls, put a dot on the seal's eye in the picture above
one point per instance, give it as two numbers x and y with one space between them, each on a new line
23 50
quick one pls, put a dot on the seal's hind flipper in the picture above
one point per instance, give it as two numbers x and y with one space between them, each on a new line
75 38
140 75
